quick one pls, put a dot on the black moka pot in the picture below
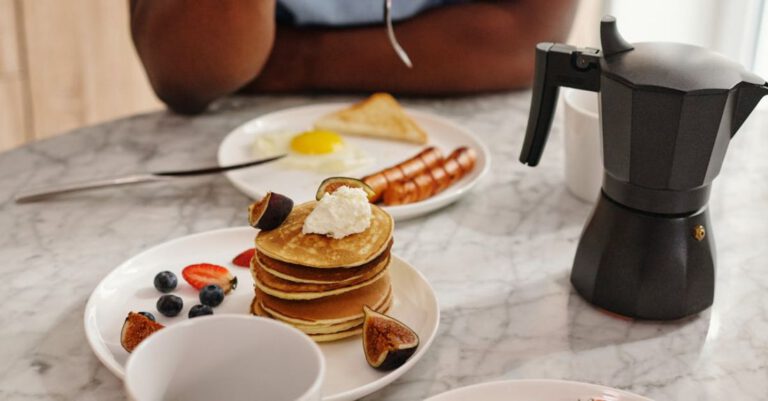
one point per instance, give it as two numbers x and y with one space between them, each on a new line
667 113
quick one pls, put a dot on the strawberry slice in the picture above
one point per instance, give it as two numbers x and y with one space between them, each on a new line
244 258
201 274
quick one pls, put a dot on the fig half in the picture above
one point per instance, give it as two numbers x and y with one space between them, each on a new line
270 211
136 328
329 185
387 342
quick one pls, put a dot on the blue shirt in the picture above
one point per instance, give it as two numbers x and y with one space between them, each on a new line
349 12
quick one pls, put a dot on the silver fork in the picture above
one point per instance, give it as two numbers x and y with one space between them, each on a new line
391 34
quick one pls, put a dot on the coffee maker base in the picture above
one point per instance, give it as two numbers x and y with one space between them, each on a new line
645 266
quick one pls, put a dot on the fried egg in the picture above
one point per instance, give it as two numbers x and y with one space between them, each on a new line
315 150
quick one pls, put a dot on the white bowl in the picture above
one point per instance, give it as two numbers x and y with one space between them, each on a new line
230 357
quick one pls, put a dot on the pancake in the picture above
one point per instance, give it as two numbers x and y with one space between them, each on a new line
307 295
325 338
288 244
321 338
328 310
290 290
302 274
329 329
258 310
318 328
326 333
318 323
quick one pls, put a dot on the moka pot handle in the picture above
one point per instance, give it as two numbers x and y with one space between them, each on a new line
556 65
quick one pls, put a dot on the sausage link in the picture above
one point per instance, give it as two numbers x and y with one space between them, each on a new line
406 170
394 174
466 158
433 181
425 185
400 193
378 183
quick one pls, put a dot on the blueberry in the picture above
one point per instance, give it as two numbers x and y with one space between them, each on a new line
166 281
169 305
211 295
149 316
200 310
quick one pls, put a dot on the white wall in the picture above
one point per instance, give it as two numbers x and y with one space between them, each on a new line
729 27
761 52
585 31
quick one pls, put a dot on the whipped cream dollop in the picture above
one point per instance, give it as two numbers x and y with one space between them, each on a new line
344 212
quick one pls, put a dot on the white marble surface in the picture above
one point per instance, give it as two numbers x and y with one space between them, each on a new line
499 260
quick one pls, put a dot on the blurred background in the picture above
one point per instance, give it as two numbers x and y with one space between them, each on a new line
65 64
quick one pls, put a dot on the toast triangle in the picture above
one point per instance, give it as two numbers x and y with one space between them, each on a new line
378 116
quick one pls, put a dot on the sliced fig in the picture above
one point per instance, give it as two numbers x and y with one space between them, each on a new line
136 328
270 211
387 342
329 185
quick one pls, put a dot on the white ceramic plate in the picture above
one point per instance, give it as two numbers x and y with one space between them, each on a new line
129 288
301 185
539 390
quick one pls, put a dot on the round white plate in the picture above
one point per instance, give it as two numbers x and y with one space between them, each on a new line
301 185
539 390
129 288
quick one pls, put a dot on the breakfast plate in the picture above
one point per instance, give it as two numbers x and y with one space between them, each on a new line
298 183
539 390
129 288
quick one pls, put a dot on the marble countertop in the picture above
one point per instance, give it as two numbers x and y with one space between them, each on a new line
499 260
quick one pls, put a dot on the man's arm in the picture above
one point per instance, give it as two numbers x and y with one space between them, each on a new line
459 49
197 51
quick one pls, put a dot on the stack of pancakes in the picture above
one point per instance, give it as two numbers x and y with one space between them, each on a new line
319 284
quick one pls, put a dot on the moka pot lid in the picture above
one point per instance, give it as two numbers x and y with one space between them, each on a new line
676 67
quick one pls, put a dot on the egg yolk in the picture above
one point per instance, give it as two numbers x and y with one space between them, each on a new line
316 142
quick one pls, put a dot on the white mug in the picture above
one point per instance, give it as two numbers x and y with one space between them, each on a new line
583 145
226 357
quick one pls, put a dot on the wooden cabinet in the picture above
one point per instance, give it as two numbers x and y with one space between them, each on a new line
13 100
65 64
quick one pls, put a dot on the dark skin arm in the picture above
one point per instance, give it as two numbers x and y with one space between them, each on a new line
192 58
197 51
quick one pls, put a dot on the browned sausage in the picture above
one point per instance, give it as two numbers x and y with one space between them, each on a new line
466 158
431 156
441 178
400 193
453 169
378 183
393 174
425 185
460 162
412 167
408 169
